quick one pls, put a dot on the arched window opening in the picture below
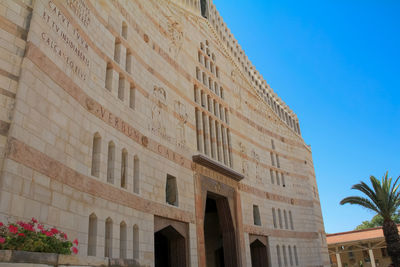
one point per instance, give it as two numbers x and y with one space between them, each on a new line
256 215
122 240
136 172
108 238
284 256
290 255
128 61
277 178
272 176
274 217
278 255
296 259
291 220
121 87
110 162
124 31
280 219
171 191
109 77
124 167
92 235
135 242
286 219
132 92
96 155
117 50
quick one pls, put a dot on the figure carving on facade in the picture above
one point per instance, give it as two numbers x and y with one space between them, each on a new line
258 167
157 115
180 110
245 164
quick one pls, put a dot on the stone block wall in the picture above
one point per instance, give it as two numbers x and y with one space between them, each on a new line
125 72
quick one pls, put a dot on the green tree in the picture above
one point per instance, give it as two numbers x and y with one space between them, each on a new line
384 199
377 221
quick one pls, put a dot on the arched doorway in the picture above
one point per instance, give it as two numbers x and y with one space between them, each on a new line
169 248
219 233
259 254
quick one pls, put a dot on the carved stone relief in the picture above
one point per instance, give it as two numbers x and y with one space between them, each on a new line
180 109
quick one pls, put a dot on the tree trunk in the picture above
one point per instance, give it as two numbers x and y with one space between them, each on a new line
392 241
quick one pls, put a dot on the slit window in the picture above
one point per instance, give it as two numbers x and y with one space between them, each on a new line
171 191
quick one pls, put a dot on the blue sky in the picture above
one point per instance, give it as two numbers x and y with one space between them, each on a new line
337 65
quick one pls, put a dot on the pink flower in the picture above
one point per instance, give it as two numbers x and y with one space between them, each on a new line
2 240
28 227
40 227
74 250
1 224
34 220
75 241
47 233
21 234
65 236
13 229
54 231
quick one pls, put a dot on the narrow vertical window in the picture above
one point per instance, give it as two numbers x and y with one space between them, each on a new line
290 255
117 51
277 161
109 77
286 219
272 176
108 238
136 173
96 155
124 31
296 259
132 92
121 87
280 218
128 61
204 79
283 180
198 75
171 191
278 255
256 215
291 220
135 239
284 256
124 167
110 162
221 91
122 240
92 235
216 88
272 159
277 178
274 217
272 144
217 72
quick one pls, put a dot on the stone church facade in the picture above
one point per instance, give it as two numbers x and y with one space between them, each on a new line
142 129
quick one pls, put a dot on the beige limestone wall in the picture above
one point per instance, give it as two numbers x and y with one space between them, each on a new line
61 101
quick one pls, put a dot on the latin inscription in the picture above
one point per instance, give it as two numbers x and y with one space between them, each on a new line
70 36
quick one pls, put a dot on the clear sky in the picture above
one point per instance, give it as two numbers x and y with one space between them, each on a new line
337 65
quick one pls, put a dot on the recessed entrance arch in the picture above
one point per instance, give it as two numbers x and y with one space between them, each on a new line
219 233
259 251
170 243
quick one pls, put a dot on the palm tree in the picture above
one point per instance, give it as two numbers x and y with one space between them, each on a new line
384 199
